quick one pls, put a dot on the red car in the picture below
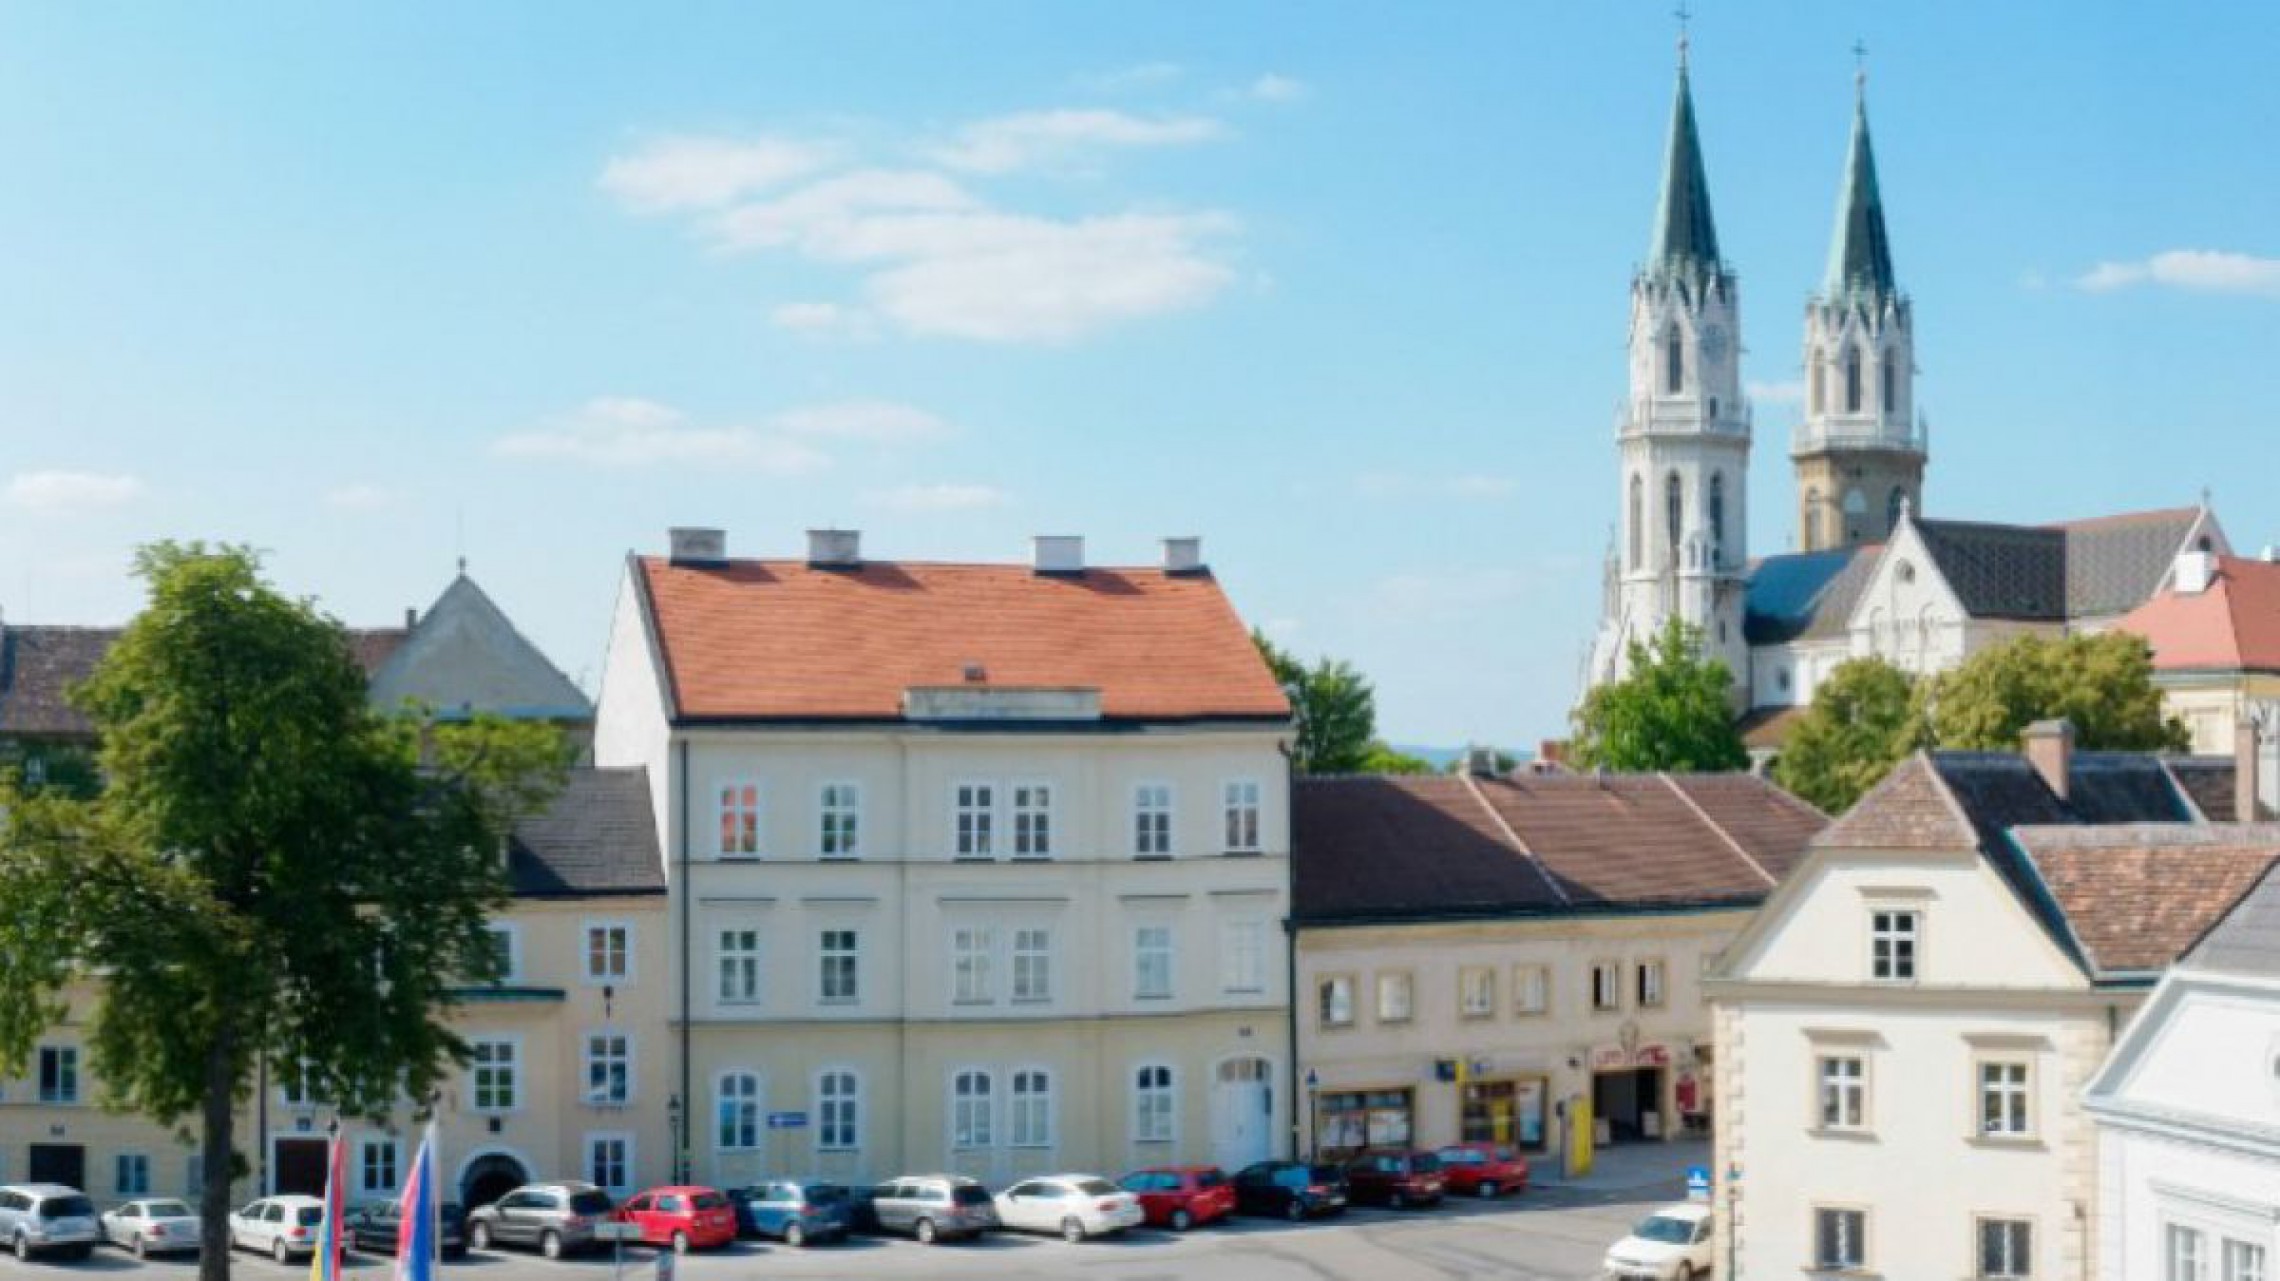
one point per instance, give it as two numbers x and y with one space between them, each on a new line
1180 1196
1393 1177
1483 1169
686 1218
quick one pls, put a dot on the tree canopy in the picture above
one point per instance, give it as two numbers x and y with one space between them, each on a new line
1334 707
270 870
2102 683
1863 720
1671 711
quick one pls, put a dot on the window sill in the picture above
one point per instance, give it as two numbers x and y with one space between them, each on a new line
841 1002
1032 858
609 1105
1151 858
1151 996
1033 1001
1346 1026
1476 1016
1243 991
1241 853
1862 1135
2006 1142
838 858
725 856
975 1004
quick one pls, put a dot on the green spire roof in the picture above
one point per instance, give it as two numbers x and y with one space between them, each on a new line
1860 260
1685 235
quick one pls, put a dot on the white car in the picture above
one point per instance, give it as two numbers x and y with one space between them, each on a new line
1672 1244
1075 1205
285 1226
152 1227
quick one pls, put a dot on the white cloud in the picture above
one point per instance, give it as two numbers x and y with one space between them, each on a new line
937 498
1140 75
1394 485
821 318
358 497
877 421
1782 393
1274 88
631 432
833 218
1027 139
707 173
67 491
2194 270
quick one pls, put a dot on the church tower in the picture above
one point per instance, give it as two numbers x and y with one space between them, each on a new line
1860 452
1683 432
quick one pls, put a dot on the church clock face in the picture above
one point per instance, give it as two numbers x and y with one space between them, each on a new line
1714 343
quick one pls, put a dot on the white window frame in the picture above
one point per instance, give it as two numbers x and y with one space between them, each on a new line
1860 1262
623 977
594 1139
367 1148
1032 965
513 1078
1243 957
839 821
2192 1265
1150 959
510 947
1832 1082
826 954
139 1164
748 1130
829 1106
1243 814
2232 1266
1153 820
1606 987
1328 990
589 1061
1155 1104
972 1116
752 825
973 964
973 820
67 1091
1396 992
1885 962
1031 805
1029 1105
740 972
1531 988
1652 981
1476 991
2015 1097
2021 1263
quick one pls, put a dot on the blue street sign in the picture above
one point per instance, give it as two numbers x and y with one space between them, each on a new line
787 1120
1698 1183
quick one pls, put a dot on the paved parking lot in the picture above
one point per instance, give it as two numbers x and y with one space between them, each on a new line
1548 1234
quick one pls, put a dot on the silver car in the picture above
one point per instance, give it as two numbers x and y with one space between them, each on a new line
556 1218
156 1226
47 1218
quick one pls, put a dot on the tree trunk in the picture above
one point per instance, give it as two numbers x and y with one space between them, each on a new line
220 1123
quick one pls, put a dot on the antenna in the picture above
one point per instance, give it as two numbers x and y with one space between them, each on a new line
1684 16
1860 67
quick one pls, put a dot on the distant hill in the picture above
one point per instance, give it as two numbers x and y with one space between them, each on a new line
1444 757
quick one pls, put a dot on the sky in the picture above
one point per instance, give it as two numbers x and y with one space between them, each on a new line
1341 289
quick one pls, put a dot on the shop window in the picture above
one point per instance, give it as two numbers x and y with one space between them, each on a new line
1352 1120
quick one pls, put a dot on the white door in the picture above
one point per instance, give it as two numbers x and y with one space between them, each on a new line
1242 1113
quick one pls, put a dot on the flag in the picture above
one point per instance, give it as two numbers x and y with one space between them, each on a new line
417 1240
324 1264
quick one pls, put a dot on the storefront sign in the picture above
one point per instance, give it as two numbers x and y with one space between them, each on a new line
1613 1058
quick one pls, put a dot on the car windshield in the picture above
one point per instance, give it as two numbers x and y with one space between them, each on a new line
1425 1163
971 1194
1327 1174
309 1215
589 1203
710 1201
1462 1156
1293 1176
1210 1179
825 1194
1662 1227
1096 1187
168 1210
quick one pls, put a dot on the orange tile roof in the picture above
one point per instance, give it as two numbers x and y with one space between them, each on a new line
2233 625
774 639
2139 897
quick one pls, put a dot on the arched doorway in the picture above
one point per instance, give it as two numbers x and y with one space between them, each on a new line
1242 1112
490 1176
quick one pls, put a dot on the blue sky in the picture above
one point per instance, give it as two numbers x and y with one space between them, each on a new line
1342 290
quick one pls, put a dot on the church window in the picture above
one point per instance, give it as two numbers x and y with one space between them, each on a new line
1674 361
1674 508
1718 518
1638 518
1852 380
1888 379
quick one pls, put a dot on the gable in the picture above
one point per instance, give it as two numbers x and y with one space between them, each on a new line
2199 1053
1907 585
466 656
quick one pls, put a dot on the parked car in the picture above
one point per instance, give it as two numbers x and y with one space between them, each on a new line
558 1218
1482 1169
377 1227
1290 1190
683 1216
47 1218
284 1226
1075 1205
1181 1196
934 1207
1394 1178
158 1226
794 1211
1672 1244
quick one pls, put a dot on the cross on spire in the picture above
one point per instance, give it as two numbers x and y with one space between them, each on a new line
1684 15
1860 65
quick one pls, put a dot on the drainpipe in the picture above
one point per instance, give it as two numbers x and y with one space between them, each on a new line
1290 949
688 1100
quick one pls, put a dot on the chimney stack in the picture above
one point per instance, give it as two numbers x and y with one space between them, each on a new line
835 549
2049 746
1183 556
2196 569
1480 761
694 546
2247 768
1057 553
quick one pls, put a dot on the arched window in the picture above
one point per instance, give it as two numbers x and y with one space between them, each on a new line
1674 361
1674 509
1717 518
1032 1108
1812 520
1889 380
838 1111
1893 505
738 1111
970 1110
1638 519
1852 380
1153 1117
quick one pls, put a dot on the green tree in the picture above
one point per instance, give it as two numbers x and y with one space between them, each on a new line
268 872
1334 707
1865 718
2103 683
1671 712
1384 758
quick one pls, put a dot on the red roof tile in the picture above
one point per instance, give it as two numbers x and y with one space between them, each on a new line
1910 810
753 639
2233 625
2138 897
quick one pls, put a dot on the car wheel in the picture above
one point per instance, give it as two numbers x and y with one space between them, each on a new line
141 1251
1182 1220
1488 1191
1294 1210
479 1236
924 1231
278 1251
1686 1272
1072 1229
23 1247
794 1235
550 1245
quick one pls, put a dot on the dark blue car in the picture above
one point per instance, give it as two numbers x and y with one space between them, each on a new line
793 1211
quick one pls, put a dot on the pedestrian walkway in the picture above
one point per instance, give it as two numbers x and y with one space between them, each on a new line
1628 1167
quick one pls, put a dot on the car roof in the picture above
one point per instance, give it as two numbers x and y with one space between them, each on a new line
44 1189
1682 1210
676 1189
295 1199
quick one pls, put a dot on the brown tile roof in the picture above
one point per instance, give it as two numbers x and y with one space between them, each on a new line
40 665
1422 847
1766 728
2233 626
2139 896
1911 809
754 639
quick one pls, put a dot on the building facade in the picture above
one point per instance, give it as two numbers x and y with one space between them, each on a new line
977 867
2215 633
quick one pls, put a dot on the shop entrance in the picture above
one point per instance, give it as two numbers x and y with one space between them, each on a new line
1507 1112
299 1168
1629 1103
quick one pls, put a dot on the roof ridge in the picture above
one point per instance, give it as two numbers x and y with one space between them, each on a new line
1559 891
1736 846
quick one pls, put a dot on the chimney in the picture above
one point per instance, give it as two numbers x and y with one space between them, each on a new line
692 546
2196 568
411 617
1058 553
1183 556
2247 767
2049 746
1480 762
835 549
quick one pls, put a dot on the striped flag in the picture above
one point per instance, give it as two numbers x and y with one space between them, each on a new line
324 1265
418 1243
